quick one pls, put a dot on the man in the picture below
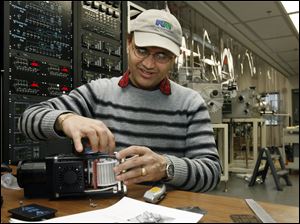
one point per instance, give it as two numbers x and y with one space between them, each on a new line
163 126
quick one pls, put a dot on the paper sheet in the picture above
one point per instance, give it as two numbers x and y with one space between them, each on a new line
129 210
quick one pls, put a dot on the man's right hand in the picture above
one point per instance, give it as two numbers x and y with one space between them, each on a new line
77 127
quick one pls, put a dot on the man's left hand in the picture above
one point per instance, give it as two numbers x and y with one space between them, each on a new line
141 164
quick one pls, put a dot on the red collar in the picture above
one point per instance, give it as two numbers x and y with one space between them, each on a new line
164 85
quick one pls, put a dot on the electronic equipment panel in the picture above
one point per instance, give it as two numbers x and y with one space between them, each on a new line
49 48
38 65
19 146
101 40
39 77
42 27
40 45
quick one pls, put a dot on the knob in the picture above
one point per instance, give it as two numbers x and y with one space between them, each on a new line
95 5
241 98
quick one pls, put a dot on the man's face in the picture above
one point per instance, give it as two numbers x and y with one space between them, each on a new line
148 66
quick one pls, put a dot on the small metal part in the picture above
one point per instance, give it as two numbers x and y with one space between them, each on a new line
92 204
124 189
21 205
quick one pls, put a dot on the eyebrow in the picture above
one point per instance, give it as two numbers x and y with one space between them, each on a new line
161 50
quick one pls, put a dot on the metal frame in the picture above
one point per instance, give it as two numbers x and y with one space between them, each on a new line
223 150
240 165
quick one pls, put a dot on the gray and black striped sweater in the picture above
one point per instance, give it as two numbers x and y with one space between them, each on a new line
177 125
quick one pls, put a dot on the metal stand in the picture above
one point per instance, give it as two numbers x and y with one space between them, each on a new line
222 142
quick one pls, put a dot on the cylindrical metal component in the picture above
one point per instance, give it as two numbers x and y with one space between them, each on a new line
105 173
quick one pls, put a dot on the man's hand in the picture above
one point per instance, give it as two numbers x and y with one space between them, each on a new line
77 127
144 165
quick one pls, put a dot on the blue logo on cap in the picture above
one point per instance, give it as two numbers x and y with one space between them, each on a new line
163 24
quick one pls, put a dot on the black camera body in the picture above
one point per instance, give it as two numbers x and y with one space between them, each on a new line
70 175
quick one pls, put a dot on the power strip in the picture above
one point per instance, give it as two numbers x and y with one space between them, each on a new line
259 211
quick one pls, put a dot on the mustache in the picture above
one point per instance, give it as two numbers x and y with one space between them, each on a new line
146 69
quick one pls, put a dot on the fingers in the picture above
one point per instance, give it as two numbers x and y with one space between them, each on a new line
77 143
143 165
99 136
133 169
130 164
106 140
111 143
131 151
133 156
133 176
93 139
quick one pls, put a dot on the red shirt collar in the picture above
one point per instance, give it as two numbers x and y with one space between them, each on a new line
164 85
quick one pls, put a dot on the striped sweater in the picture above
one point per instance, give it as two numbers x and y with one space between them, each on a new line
177 125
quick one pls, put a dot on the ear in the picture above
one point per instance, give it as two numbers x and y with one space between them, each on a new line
129 42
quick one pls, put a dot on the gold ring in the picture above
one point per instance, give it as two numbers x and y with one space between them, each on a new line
144 172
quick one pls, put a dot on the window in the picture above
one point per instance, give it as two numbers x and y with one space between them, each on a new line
292 9
272 99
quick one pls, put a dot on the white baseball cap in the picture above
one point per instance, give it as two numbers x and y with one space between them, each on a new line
157 28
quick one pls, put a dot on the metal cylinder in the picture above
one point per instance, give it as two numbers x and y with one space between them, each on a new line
105 173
